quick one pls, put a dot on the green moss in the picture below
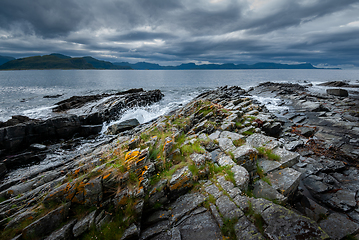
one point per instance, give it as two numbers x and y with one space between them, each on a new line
194 170
248 132
230 176
228 228
238 142
267 153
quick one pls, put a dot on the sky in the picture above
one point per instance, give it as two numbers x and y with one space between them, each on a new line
170 32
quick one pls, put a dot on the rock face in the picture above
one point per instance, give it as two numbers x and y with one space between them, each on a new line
209 170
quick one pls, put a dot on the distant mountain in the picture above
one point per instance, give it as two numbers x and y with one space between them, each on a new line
191 66
4 59
58 61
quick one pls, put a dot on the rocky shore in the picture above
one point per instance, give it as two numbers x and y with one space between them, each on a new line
221 167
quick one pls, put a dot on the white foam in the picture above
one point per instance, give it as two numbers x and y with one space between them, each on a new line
272 104
38 113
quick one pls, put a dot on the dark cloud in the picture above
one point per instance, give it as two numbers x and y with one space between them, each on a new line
174 31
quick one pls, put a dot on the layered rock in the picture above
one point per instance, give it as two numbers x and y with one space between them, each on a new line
207 171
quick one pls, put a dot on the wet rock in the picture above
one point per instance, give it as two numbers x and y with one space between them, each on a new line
337 92
272 129
227 208
337 226
88 130
315 186
84 224
293 145
131 233
38 147
63 233
200 226
306 131
343 200
286 224
286 181
46 224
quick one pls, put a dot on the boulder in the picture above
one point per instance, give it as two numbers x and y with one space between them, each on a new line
286 224
286 181
337 92
246 156
122 126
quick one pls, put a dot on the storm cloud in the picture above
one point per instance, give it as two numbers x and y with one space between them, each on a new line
322 32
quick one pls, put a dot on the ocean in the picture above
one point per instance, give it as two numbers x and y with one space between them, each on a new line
22 92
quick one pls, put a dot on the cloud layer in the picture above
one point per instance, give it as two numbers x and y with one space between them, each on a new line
174 31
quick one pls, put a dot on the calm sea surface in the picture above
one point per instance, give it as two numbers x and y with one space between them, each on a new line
22 92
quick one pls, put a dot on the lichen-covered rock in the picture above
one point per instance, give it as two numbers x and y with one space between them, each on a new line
337 226
225 160
226 144
286 181
264 190
227 208
93 191
184 204
241 177
246 156
259 140
244 229
181 181
286 224
167 147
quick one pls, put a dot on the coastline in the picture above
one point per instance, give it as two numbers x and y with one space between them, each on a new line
225 129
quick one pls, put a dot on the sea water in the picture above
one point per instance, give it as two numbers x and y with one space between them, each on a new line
22 92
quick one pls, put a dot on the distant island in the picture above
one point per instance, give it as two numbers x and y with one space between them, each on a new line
192 66
60 61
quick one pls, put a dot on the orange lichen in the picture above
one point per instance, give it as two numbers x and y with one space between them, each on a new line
106 176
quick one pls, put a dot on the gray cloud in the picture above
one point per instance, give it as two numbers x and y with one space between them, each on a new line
174 31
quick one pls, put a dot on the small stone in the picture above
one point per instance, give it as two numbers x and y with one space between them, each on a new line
227 208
